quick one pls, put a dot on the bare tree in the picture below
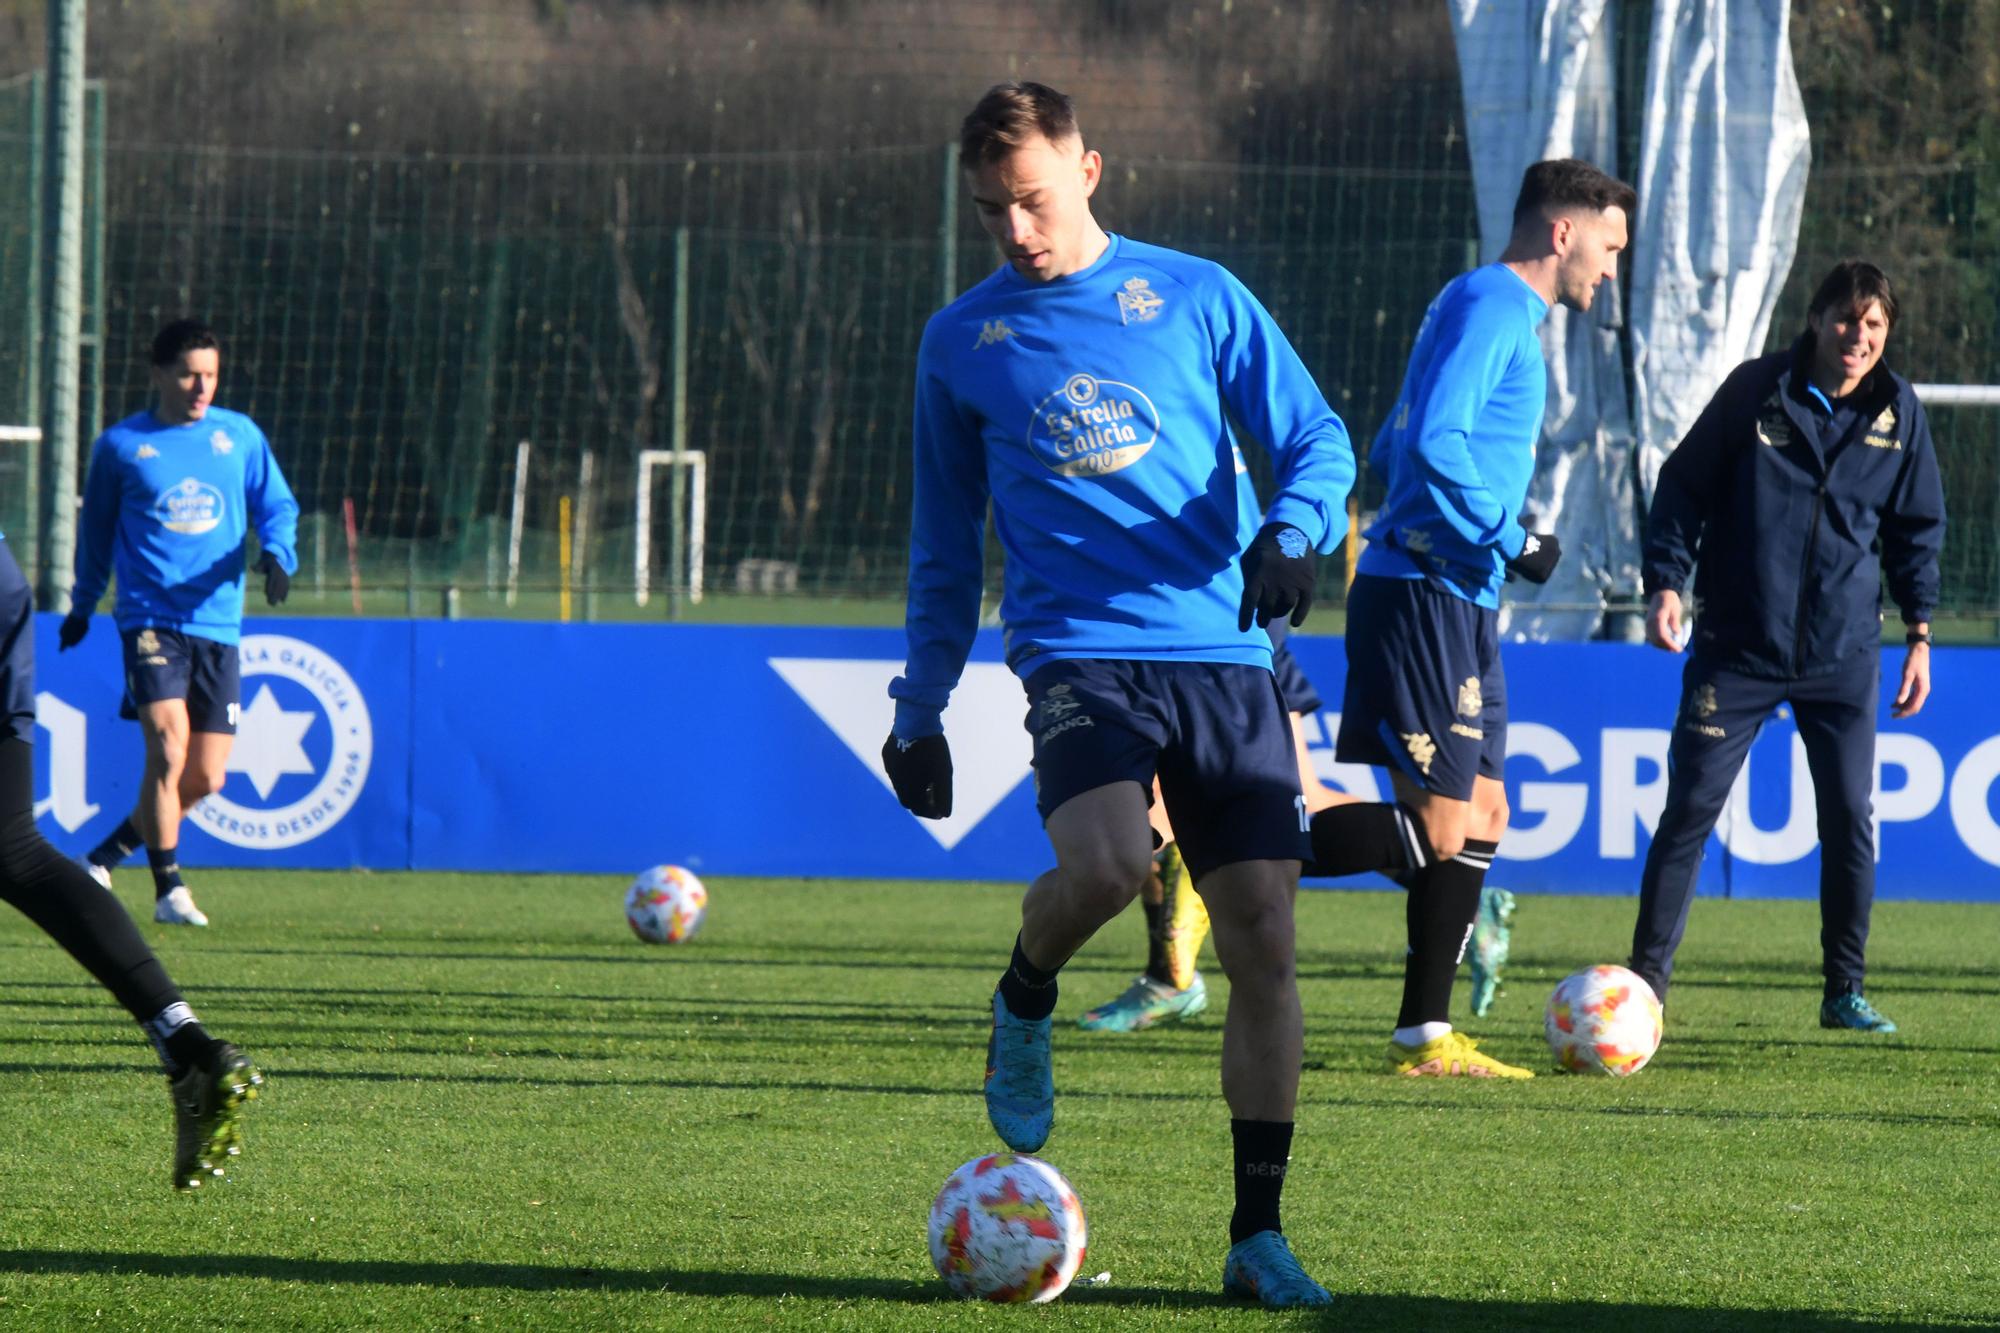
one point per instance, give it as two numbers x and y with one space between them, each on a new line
795 325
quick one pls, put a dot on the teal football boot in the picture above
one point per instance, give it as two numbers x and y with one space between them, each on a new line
1020 1085
1145 1003
1853 1012
1262 1268
1492 932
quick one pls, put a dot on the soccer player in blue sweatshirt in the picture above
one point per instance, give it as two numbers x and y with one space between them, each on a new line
1091 390
208 1080
1425 695
170 495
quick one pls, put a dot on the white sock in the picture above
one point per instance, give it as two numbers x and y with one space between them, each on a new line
1420 1033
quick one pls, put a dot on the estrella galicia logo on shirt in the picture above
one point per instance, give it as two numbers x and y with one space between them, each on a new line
1091 427
189 506
304 743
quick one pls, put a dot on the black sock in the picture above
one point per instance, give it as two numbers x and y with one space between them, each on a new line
1027 990
179 1038
1263 1149
1159 919
111 853
60 897
1444 898
1358 837
166 862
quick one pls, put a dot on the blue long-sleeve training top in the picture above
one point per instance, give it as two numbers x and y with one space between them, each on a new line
166 508
1459 447
1096 411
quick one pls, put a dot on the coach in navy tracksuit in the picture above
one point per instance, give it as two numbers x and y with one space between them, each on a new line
1803 466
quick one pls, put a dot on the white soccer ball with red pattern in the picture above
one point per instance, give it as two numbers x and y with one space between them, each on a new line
665 905
1603 1020
1007 1227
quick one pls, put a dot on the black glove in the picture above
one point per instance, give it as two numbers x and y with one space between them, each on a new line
1279 576
1538 558
920 771
277 583
75 625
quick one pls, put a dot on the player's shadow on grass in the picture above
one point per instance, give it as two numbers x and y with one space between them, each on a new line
475 1275
985 962
1359 1311
277 1076
1480 1106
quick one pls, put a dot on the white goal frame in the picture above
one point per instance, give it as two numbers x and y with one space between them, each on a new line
32 437
696 462
1958 395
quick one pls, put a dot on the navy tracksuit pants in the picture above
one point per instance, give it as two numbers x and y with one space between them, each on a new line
1720 715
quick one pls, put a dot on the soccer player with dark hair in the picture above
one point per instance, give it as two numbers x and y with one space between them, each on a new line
1086 390
1808 478
209 1080
170 496
1425 695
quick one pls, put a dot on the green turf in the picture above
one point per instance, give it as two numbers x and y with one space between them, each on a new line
489 1106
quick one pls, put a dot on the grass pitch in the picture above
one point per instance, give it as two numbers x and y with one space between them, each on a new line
489 1106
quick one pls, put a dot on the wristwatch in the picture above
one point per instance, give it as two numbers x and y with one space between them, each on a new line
1917 636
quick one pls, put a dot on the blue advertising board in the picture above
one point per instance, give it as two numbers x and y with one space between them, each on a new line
502 746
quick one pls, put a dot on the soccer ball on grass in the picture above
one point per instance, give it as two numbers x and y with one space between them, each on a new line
665 905
1603 1020
1007 1227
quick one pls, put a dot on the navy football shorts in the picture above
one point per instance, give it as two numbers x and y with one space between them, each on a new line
1425 693
17 650
167 664
1216 734
1298 692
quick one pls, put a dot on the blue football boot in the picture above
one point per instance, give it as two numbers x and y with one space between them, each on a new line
1262 1268
1020 1086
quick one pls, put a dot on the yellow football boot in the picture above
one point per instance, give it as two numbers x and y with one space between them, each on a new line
1186 915
1453 1054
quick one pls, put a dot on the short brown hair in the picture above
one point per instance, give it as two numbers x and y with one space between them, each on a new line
1851 285
1008 115
1564 183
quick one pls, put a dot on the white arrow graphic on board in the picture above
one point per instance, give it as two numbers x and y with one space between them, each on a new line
990 749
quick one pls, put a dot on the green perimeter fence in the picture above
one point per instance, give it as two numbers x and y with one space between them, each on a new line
487 374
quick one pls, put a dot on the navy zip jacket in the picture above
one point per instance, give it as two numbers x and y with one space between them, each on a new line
1787 504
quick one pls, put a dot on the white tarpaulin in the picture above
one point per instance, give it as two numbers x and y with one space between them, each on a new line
1720 181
